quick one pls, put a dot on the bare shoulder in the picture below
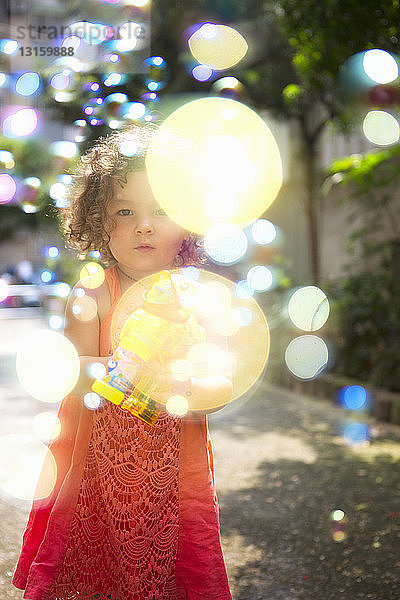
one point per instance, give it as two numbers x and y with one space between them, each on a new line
103 299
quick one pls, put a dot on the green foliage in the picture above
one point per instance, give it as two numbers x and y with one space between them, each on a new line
366 306
32 159
372 181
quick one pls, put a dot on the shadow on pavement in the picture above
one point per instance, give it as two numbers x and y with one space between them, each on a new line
282 467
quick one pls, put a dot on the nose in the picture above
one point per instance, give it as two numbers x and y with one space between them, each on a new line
144 227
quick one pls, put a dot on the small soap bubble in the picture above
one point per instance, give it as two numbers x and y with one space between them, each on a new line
96 370
47 365
85 308
337 515
61 289
80 130
29 195
155 73
225 243
353 397
8 188
92 400
56 322
6 160
356 433
47 276
263 231
177 406
306 356
92 275
259 278
46 426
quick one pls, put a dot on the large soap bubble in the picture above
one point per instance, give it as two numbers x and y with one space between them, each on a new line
237 334
219 149
47 365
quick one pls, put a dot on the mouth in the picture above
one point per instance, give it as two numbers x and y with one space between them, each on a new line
144 248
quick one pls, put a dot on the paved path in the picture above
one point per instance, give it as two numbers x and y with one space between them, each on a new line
282 467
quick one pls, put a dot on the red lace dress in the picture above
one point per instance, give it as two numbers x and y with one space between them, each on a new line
133 514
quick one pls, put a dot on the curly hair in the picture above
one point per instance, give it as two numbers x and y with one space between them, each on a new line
83 221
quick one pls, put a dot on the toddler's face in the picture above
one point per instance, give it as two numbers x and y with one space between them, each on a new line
140 221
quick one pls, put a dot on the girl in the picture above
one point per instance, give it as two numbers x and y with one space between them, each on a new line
134 513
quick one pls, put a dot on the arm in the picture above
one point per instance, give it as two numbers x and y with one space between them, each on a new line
85 337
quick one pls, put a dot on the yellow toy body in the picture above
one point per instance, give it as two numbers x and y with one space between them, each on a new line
148 332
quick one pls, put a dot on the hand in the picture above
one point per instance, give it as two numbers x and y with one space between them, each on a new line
167 385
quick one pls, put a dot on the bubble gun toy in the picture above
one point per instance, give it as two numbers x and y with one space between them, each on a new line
148 333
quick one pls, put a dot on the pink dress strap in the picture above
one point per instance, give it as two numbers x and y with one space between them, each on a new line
112 279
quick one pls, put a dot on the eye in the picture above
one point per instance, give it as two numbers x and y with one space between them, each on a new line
124 212
160 212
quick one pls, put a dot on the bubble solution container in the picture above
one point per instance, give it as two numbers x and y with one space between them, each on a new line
146 334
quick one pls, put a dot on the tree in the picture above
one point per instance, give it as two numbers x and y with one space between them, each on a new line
316 39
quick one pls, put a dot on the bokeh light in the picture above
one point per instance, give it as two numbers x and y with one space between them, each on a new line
64 148
133 111
214 147
47 365
22 459
308 308
228 87
46 276
8 188
306 356
259 278
96 370
61 289
353 397
339 524
27 84
58 192
232 325
21 123
6 159
225 243
92 275
356 433
112 106
380 66
370 80
263 231
46 426
217 46
91 33
202 72
81 130
177 406
337 515
56 322
92 401
381 128
84 308
51 251
29 195
8 46
155 73
243 290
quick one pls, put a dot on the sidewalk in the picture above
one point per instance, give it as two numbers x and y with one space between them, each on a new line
282 466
